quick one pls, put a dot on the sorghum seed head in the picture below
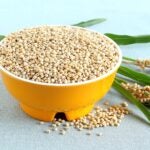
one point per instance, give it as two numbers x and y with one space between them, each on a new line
142 93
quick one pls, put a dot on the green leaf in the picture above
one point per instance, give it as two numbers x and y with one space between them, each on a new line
90 22
120 79
127 39
131 98
142 78
1 37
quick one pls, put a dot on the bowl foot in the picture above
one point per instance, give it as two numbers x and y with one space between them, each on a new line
50 115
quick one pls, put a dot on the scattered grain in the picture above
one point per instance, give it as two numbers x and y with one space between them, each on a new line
47 131
41 122
88 133
99 134
99 117
62 132
106 103
124 104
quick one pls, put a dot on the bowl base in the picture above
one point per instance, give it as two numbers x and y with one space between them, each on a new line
50 115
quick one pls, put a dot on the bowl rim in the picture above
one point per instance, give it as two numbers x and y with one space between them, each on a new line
70 84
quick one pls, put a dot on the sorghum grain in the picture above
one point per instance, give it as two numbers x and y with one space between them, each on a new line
57 54
99 117
142 93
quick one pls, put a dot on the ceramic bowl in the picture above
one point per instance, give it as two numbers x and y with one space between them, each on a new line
43 101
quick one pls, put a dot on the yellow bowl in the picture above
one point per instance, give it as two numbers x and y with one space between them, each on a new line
43 100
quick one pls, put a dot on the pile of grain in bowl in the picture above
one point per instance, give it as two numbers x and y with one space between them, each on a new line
58 54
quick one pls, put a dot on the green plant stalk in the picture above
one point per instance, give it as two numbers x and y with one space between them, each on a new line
127 39
120 80
127 58
131 98
142 78
1 37
89 23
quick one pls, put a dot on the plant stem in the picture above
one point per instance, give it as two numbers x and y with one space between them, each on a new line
127 58
89 23
1 37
